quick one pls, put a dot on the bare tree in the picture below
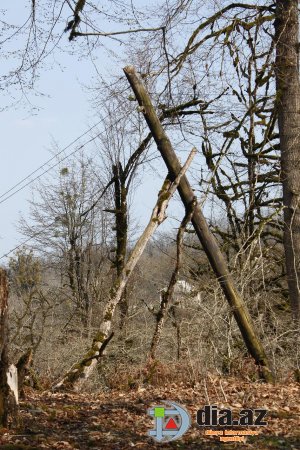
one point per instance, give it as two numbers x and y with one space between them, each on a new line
75 242
123 152
30 303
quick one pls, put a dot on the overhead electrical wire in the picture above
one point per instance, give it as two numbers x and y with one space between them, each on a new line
5 194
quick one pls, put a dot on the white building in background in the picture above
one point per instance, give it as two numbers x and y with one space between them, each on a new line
185 295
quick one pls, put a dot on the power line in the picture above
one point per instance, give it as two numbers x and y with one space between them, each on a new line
50 168
49 160
53 158
52 223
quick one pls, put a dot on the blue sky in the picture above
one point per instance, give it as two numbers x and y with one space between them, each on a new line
27 135
64 113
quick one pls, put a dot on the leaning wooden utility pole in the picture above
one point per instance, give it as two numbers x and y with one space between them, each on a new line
8 387
203 232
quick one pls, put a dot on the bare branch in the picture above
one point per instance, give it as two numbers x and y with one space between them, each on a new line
115 33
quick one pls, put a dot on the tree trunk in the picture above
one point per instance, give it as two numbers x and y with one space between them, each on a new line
205 236
8 394
288 108
121 222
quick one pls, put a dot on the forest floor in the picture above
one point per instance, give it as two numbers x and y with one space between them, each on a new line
118 420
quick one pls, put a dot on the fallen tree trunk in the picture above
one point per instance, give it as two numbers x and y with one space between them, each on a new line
81 371
8 374
203 232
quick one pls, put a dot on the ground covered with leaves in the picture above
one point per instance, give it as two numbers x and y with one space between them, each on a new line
118 419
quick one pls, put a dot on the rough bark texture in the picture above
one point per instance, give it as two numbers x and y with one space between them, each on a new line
288 108
8 401
81 371
205 236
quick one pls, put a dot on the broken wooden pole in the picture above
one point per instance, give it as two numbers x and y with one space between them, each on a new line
202 230
8 376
